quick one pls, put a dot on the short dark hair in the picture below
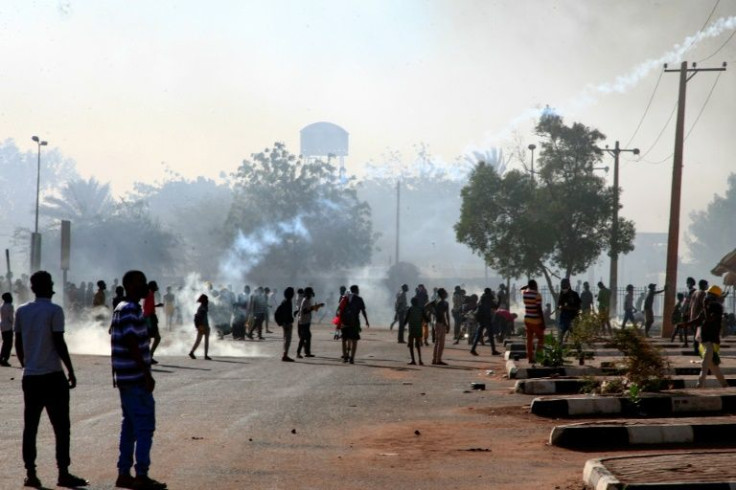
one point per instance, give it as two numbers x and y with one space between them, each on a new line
7 297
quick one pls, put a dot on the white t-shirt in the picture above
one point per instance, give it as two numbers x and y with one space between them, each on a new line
305 317
35 322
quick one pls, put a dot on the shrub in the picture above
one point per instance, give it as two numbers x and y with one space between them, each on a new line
646 367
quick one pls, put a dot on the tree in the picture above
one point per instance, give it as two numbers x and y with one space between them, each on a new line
710 235
292 218
556 226
80 200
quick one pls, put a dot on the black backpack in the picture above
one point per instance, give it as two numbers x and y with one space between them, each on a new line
282 315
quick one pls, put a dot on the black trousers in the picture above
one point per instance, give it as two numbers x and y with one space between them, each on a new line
305 338
7 345
49 391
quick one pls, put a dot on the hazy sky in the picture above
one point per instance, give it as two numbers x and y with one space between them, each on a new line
122 86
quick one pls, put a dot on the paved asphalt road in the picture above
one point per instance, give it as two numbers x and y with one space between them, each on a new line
248 420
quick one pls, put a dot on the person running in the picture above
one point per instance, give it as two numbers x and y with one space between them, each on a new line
284 317
351 327
149 313
604 308
7 313
41 351
442 326
413 317
649 307
629 307
533 320
202 324
131 366
304 323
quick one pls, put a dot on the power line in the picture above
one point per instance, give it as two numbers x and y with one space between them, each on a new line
646 110
720 48
704 24
687 135
656 140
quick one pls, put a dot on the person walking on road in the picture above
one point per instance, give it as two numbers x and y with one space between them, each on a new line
131 366
400 308
41 350
649 307
202 324
304 323
629 307
351 327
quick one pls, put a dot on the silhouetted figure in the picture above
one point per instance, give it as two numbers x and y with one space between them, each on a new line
604 308
284 317
569 305
586 299
119 296
351 328
304 323
400 308
259 309
413 317
202 324
442 326
458 298
41 350
629 307
131 365
7 314
169 307
649 307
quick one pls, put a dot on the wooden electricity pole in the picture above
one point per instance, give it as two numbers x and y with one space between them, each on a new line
673 237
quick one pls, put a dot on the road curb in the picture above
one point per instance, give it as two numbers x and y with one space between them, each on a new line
655 405
613 436
597 476
515 372
574 386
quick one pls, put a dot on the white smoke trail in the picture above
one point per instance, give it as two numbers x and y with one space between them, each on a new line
622 83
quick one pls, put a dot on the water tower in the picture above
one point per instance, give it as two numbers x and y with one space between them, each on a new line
325 140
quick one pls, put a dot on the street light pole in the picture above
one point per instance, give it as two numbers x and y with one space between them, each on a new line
532 147
613 273
36 238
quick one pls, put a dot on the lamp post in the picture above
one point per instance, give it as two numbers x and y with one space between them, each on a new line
36 237
532 147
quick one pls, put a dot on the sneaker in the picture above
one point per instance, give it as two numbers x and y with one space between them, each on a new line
125 481
352 361
308 355
440 363
207 358
473 352
68 480
32 481
299 356
191 354
495 353
412 363
345 359
287 359
421 363
146 483
154 361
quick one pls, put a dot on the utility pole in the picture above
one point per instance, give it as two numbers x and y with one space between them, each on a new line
613 281
398 216
673 238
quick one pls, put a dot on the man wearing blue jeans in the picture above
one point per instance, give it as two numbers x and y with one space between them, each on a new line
131 363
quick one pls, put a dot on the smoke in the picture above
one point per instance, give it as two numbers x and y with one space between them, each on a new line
622 83
247 251
87 334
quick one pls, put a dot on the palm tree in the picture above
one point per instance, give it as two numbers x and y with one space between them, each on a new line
80 201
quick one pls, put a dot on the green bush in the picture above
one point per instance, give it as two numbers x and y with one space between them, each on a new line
646 367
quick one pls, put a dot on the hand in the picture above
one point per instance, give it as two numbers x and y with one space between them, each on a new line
150 383
367 325
72 380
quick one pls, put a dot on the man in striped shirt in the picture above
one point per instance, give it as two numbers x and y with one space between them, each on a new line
533 320
131 365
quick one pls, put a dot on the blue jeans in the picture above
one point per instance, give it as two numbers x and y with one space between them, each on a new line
136 432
